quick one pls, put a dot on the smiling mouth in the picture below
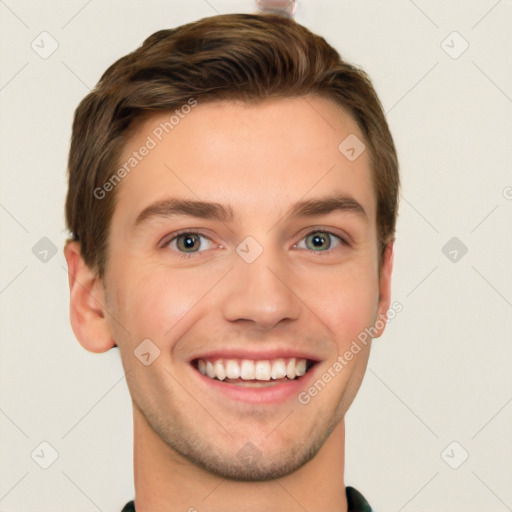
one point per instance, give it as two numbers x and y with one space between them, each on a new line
254 373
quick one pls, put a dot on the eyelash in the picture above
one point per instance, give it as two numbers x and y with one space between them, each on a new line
174 236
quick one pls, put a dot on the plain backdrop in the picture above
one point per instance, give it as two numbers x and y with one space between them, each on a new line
431 427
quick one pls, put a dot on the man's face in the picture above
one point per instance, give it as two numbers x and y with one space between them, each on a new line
247 286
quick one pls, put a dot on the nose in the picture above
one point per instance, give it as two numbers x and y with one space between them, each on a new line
261 294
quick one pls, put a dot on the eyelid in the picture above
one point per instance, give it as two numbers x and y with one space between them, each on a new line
170 237
167 239
339 239
337 233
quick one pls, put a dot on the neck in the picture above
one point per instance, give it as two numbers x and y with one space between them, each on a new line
167 482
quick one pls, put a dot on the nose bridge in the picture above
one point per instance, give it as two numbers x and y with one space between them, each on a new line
259 290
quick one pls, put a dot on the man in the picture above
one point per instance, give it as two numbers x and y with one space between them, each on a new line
232 201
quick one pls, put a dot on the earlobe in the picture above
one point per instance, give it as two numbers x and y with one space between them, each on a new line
87 310
384 289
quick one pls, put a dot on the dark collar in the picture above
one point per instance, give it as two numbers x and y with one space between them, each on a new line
355 500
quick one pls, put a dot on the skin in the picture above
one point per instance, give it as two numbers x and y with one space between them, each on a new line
260 159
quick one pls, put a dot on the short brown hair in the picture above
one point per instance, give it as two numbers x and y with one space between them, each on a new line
228 57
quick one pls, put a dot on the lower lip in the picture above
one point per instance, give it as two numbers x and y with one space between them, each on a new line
275 394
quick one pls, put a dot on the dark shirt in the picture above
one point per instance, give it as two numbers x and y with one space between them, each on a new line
355 500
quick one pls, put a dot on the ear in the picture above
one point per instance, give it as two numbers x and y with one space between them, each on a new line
386 270
87 310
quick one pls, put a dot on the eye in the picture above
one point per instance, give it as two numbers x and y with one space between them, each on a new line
320 241
188 242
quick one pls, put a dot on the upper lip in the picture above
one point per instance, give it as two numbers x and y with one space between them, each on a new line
256 354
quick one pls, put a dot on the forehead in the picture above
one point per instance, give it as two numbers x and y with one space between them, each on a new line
257 157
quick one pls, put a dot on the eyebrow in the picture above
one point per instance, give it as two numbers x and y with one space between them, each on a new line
323 206
216 211
192 208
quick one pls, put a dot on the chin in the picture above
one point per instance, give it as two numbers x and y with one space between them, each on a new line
250 465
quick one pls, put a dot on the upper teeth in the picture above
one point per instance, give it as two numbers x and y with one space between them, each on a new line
248 369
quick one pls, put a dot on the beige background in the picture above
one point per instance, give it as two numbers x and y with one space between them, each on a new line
440 374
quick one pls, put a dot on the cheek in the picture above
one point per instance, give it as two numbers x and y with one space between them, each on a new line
349 304
160 304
